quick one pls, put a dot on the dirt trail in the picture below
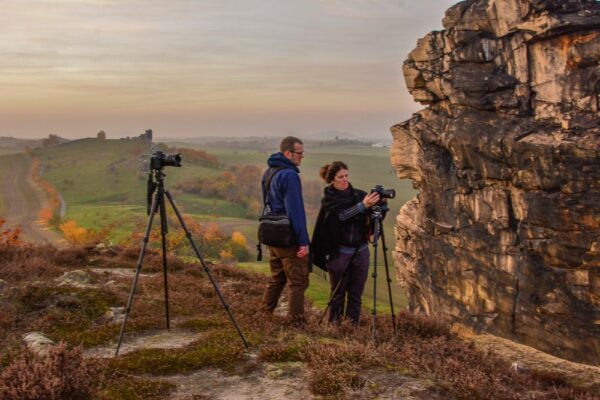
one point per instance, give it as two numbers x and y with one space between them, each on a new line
22 199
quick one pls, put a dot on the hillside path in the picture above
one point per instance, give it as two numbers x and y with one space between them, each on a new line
22 199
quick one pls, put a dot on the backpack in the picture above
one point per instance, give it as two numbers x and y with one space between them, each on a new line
273 229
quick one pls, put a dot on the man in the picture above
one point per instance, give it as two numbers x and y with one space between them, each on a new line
288 264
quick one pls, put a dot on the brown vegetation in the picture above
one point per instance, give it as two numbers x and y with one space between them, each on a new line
61 374
48 213
215 243
193 156
239 185
338 359
9 236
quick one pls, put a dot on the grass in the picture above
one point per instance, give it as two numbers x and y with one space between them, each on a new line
122 218
91 171
217 350
368 165
318 290
9 150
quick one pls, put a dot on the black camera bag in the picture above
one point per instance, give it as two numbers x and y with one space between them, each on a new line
274 229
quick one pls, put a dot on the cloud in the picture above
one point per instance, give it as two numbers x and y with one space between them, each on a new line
72 57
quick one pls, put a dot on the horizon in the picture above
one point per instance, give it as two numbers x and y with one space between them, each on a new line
75 67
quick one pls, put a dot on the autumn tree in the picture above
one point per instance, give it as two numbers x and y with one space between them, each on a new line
9 236
101 135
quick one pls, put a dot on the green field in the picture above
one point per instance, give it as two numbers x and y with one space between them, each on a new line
92 171
9 150
318 291
104 183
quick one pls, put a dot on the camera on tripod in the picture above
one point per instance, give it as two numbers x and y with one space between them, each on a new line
384 193
157 197
160 160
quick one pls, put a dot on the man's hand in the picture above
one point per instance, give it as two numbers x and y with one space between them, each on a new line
302 251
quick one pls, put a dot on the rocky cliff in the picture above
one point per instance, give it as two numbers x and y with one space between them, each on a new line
504 234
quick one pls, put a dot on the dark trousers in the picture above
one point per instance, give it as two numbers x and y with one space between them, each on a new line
287 268
351 277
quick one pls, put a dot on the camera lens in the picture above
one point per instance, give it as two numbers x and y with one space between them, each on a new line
173 160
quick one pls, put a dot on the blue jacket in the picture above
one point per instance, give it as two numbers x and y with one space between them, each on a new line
285 195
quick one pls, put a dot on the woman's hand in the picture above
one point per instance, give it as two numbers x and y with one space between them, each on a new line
371 199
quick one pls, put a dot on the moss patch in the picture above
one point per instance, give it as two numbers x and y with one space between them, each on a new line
215 350
132 388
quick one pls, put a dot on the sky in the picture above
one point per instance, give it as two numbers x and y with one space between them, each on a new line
188 68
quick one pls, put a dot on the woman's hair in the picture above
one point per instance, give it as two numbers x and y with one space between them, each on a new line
328 171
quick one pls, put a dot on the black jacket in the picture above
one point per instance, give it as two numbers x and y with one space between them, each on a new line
330 233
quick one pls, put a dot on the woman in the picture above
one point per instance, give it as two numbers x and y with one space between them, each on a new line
340 240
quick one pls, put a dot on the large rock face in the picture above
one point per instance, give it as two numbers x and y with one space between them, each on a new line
504 234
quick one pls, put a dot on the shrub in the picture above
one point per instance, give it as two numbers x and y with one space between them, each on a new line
61 374
336 368
9 237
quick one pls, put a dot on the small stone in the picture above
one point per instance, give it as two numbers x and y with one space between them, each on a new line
115 314
76 278
519 367
274 372
38 343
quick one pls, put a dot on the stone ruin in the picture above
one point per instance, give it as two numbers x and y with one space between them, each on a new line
504 234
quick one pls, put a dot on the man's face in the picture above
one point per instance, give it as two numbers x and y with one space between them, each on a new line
295 156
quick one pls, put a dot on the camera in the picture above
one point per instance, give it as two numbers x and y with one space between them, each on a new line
384 193
160 160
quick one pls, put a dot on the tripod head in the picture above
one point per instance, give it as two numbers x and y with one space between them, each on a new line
156 179
379 210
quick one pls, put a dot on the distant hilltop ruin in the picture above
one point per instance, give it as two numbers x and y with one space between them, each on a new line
504 234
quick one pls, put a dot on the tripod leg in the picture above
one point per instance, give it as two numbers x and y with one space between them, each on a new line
163 232
138 268
330 299
389 281
344 275
189 236
332 296
374 311
376 234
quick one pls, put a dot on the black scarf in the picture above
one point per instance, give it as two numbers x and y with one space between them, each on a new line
326 235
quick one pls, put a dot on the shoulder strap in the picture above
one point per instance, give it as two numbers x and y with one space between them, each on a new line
269 174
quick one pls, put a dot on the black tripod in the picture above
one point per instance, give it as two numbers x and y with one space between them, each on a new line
377 215
157 192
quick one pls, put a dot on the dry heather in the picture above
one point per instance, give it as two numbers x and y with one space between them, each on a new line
337 360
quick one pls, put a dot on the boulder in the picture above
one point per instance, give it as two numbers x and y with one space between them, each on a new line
76 278
504 234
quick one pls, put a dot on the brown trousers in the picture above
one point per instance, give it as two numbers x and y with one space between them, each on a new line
286 267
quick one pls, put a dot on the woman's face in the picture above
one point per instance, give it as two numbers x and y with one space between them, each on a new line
340 180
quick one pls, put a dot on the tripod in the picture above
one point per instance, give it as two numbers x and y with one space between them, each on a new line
157 192
377 214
